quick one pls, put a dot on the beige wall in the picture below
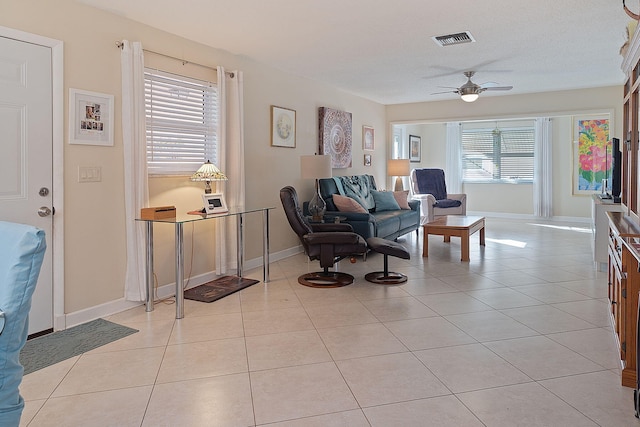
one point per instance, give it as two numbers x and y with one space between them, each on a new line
427 120
93 216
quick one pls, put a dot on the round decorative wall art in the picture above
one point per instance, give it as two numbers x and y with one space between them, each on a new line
283 127
336 136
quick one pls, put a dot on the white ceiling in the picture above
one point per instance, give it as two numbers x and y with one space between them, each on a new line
382 49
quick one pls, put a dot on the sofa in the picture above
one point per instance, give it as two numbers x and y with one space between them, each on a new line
378 217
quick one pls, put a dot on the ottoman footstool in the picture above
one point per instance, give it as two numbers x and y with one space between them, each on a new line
386 248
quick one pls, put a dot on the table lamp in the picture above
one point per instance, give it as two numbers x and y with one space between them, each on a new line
316 167
208 172
398 168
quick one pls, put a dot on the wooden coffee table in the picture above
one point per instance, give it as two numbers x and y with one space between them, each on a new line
454 225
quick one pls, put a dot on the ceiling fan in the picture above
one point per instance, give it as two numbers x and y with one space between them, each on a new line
470 91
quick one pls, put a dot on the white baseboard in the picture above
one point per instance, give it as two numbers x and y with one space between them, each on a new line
528 217
113 307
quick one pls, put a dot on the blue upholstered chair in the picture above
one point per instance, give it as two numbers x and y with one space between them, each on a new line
428 185
22 250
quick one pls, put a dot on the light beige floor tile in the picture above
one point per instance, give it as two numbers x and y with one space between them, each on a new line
597 395
502 298
31 408
512 277
453 303
226 305
471 282
443 411
340 314
389 309
470 367
340 419
595 312
426 286
285 349
541 358
591 287
269 300
551 274
218 401
598 345
154 334
213 358
276 321
546 319
161 312
41 383
122 407
301 391
113 370
525 405
366 291
319 296
450 268
490 326
390 378
430 332
551 293
206 328
348 342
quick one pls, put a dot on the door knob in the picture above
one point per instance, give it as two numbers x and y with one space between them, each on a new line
44 211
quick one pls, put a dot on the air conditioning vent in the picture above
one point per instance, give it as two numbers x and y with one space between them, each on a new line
453 39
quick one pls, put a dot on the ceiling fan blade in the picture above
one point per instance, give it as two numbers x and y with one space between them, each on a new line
498 88
447 91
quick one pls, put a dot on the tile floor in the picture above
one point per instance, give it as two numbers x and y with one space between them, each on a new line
519 336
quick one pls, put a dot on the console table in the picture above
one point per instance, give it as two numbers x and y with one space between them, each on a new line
178 222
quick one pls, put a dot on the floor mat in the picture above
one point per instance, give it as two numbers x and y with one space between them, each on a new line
219 288
50 349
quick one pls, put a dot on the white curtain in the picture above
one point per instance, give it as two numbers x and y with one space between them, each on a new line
231 160
136 189
453 173
542 172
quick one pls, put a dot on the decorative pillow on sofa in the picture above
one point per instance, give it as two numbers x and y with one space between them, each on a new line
347 204
402 197
385 201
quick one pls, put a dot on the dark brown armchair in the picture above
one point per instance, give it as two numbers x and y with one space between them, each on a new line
328 243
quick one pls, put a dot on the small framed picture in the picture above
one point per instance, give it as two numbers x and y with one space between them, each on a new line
214 203
283 127
368 140
367 159
414 148
90 118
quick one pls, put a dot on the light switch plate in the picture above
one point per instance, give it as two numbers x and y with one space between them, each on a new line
89 174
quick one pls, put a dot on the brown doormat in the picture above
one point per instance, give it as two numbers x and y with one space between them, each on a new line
219 288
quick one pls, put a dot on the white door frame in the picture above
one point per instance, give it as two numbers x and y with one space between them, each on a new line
57 82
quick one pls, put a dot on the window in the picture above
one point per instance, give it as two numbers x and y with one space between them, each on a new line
500 154
181 123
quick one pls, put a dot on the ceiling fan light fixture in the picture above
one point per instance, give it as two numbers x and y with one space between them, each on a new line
469 92
469 97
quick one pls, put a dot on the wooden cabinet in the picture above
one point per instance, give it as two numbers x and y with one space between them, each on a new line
623 288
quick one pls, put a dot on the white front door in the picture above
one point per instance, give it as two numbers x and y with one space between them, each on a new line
26 145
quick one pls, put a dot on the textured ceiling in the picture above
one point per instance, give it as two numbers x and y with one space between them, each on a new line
382 49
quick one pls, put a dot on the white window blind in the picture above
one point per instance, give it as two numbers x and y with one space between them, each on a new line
181 123
504 155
